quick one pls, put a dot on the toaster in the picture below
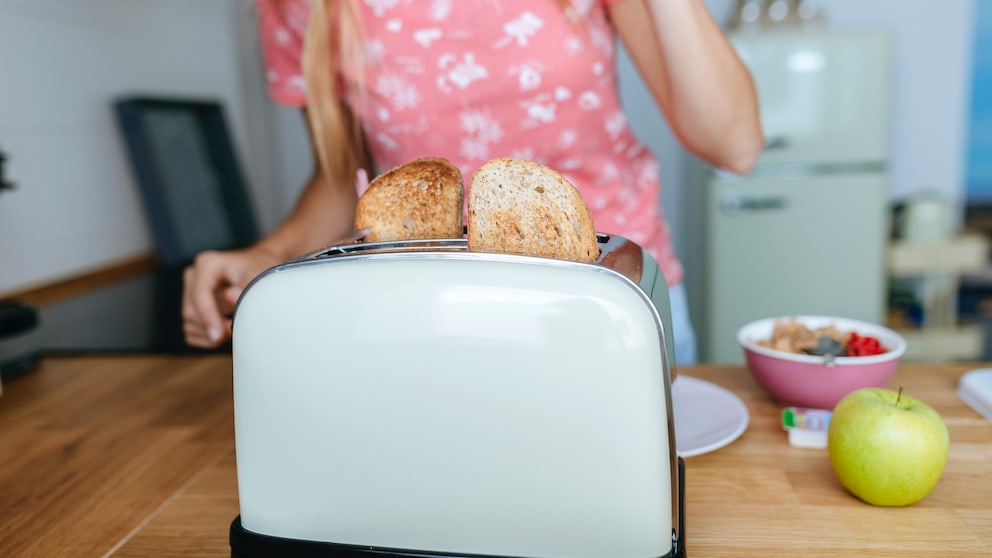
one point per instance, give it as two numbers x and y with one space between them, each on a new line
417 399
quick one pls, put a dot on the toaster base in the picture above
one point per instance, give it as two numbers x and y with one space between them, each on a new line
245 544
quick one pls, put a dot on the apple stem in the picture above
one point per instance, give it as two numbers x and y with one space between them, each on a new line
899 395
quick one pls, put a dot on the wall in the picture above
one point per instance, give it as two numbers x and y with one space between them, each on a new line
979 161
932 58
76 206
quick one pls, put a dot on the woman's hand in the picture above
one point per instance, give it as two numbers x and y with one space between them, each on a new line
213 284
211 287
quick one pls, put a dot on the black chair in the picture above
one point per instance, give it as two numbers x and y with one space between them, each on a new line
183 158
193 190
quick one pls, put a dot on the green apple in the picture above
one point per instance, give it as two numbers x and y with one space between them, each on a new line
887 448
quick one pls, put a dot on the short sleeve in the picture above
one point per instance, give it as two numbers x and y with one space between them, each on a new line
282 25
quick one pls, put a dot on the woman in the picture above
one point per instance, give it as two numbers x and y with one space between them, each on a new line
387 81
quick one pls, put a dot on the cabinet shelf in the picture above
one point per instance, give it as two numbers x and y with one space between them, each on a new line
956 256
963 342
939 267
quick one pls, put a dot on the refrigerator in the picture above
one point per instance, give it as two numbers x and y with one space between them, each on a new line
806 231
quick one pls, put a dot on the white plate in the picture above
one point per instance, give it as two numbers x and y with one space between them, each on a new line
707 416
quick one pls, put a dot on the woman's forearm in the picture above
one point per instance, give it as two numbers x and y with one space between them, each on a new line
702 86
710 87
322 215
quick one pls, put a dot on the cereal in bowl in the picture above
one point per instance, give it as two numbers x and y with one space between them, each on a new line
792 336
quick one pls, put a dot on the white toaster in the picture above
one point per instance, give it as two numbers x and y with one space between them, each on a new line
416 399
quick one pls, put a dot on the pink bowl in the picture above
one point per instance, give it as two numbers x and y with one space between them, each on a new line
813 381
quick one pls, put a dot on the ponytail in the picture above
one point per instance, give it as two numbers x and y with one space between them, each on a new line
332 71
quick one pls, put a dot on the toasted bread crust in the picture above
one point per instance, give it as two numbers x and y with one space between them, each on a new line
416 200
524 207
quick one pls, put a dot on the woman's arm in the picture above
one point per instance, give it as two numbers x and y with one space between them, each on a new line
213 284
697 79
324 213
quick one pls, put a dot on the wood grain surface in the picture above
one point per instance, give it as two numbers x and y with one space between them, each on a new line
134 456
92 448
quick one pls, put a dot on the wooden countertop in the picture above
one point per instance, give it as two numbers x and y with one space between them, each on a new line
134 456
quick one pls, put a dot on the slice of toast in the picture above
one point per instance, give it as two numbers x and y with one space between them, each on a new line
416 200
524 207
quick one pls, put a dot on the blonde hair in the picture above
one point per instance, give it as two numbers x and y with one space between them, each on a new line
332 69
331 49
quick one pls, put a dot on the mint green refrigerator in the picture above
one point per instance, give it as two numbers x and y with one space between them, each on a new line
806 231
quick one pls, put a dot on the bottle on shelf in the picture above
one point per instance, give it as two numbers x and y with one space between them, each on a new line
747 16
809 12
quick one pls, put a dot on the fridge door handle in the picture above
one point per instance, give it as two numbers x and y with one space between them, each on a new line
738 204
776 143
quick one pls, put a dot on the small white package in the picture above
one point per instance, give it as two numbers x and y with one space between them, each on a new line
975 389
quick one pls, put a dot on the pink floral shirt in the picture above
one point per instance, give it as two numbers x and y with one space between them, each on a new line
471 80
